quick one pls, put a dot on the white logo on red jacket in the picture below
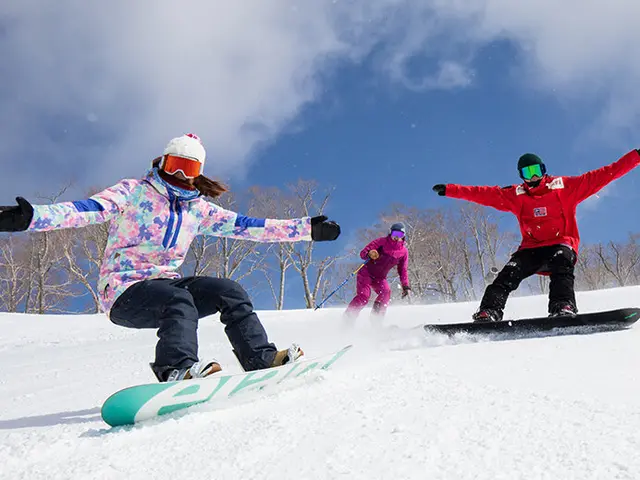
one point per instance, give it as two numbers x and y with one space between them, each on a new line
540 212
556 183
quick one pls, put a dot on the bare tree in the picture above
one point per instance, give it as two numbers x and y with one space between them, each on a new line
202 257
273 203
451 254
334 276
48 286
487 243
447 254
221 256
282 262
234 254
307 200
13 270
590 271
83 249
620 259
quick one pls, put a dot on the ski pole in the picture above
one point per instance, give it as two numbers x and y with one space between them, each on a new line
342 284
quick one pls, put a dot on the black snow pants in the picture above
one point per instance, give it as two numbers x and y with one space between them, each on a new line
174 306
557 260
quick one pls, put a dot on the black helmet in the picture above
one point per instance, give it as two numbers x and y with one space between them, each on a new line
529 159
397 227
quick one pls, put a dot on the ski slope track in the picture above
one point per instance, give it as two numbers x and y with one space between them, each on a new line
399 405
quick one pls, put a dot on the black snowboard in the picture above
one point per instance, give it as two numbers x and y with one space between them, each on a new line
612 319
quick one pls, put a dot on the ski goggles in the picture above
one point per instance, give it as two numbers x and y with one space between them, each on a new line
531 171
190 168
397 235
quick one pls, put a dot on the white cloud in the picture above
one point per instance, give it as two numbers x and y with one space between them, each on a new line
134 75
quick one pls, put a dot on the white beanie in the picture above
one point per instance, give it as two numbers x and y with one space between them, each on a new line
188 145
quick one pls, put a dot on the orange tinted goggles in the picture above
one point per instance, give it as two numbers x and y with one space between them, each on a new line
189 168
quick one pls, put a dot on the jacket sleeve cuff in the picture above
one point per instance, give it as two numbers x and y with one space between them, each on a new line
451 190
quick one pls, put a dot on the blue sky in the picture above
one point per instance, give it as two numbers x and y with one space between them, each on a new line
379 98
380 144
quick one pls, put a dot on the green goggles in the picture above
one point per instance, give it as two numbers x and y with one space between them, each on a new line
531 171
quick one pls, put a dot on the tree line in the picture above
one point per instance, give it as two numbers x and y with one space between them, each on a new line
454 252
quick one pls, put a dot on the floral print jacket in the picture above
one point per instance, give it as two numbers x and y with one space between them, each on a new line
152 228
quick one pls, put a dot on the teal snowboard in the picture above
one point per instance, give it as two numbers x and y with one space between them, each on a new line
143 402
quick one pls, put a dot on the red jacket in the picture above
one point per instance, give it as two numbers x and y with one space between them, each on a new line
547 213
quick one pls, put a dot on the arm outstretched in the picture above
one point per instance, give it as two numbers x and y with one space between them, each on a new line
99 208
226 223
500 198
587 184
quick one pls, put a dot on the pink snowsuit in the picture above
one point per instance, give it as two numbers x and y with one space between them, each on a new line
374 274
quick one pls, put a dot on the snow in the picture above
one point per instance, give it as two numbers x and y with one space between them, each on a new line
400 405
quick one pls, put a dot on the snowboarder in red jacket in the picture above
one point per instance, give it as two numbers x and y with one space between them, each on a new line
383 253
546 211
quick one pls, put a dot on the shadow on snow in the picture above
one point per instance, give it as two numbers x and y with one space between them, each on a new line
51 419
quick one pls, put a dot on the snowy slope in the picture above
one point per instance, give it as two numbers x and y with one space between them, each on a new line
398 406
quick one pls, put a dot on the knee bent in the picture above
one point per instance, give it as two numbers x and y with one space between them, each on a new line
510 277
227 284
385 290
384 296
562 261
363 295
221 286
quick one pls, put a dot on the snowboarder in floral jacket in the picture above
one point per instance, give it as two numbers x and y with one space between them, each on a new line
153 222
546 210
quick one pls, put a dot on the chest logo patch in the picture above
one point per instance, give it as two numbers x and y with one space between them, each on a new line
540 212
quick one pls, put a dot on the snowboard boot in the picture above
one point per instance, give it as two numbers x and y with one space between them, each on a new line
349 319
379 309
291 354
197 370
378 312
563 309
487 315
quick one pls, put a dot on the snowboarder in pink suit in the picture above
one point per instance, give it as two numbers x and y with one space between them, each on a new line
383 253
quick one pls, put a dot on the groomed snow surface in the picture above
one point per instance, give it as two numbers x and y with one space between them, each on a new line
399 405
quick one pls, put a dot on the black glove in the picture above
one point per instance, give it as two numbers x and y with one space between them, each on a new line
16 219
440 189
405 290
322 230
